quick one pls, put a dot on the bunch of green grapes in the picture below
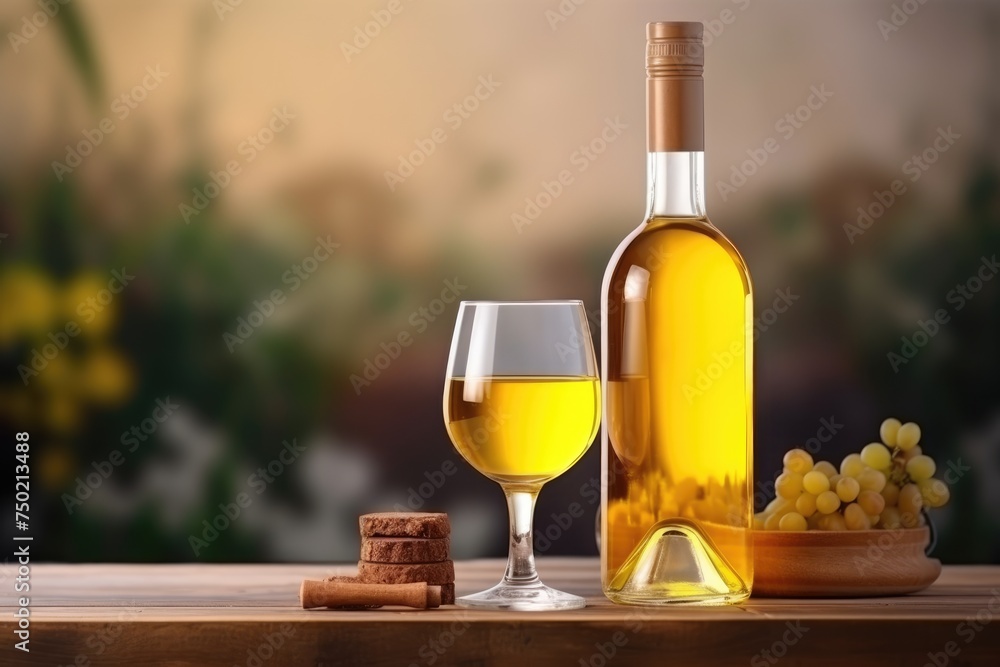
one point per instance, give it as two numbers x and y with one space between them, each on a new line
885 486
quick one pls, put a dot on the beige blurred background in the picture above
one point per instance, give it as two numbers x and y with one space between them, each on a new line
349 108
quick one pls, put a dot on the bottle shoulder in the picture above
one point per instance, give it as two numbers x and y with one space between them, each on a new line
659 240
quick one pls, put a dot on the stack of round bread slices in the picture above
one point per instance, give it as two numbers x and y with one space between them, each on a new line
406 547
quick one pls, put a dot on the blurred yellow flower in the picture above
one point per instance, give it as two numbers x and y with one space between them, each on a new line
16 403
28 300
81 303
58 376
105 377
63 414
55 466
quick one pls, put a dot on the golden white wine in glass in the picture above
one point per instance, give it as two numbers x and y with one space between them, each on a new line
522 405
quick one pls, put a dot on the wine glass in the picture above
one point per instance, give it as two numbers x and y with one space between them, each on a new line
522 405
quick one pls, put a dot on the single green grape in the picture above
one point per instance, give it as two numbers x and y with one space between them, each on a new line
815 482
852 465
908 436
871 502
826 468
920 468
806 505
788 485
792 521
798 461
779 504
827 502
888 430
934 492
848 489
876 455
871 480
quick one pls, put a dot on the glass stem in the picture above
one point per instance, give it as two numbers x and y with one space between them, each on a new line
521 559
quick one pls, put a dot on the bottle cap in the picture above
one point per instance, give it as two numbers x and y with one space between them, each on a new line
674 49
675 89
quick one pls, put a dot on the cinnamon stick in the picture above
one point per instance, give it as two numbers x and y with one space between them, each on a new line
350 594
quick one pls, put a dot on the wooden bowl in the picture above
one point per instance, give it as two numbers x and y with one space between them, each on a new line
851 563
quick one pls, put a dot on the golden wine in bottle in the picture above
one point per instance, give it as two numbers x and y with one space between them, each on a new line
522 430
677 318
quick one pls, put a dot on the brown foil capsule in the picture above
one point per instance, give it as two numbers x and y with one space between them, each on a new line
675 89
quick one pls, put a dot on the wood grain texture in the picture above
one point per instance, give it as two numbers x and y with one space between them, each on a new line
241 614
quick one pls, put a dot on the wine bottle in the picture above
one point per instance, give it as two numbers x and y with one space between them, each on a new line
677 350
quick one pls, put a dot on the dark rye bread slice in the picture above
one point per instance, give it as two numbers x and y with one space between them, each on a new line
405 524
405 573
447 593
404 549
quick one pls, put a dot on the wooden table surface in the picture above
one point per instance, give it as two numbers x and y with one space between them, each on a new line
113 614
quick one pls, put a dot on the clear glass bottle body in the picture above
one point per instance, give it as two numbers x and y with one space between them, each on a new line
677 316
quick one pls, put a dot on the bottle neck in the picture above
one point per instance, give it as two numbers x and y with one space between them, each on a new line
676 184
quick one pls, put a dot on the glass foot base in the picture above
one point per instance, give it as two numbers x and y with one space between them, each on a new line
522 597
